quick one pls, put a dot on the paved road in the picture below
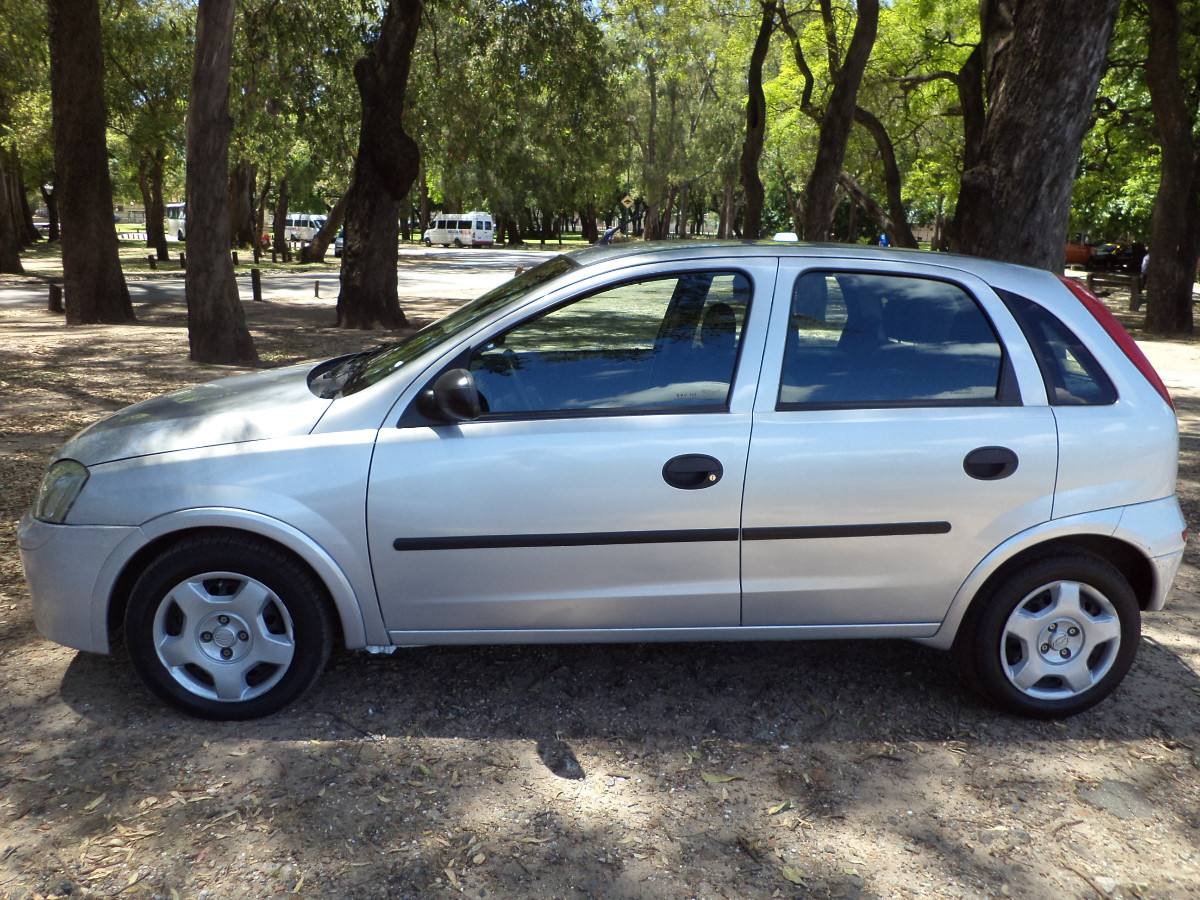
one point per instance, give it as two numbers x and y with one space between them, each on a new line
422 273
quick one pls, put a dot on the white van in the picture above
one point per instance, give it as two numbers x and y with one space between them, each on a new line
302 226
176 216
473 229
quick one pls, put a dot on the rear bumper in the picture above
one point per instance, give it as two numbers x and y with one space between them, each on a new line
62 564
1165 569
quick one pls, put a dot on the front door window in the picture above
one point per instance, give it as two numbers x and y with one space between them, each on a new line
657 345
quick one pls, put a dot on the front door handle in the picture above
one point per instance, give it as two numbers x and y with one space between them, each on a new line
990 463
692 471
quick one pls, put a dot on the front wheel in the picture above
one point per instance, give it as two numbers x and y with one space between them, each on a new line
1054 639
228 628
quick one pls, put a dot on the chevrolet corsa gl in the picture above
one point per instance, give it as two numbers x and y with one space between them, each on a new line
644 443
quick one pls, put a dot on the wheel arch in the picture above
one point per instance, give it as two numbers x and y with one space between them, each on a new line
339 592
1092 533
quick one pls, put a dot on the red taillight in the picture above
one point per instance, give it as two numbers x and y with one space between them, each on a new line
1120 336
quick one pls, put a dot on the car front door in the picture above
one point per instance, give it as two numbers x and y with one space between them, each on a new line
901 432
601 488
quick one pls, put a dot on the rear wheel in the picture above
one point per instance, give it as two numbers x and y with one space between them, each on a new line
228 629
1054 639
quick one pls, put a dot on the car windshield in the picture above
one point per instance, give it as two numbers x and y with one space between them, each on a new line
366 369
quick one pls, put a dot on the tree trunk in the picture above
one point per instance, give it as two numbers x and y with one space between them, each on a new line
512 232
387 164
587 224
939 224
13 207
51 200
217 329
423 202
241 204
406 210
32 236
279 227
92 279
901 234
260 213
150 182
859 197
315 251
10 241
725 220
1175 227
756 123
1042 76
836 124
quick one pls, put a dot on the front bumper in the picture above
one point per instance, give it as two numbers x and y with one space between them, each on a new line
62 565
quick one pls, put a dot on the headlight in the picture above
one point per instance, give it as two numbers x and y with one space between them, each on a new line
60 486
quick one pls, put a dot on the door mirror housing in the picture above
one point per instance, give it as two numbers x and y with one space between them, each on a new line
451 397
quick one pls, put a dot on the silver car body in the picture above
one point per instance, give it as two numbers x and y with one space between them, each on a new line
400 523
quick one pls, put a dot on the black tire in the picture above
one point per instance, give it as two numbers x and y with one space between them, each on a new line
457 244
978 646
302 595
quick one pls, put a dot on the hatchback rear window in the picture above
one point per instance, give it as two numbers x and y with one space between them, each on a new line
1072 375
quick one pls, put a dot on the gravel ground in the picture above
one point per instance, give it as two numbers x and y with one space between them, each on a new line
837 769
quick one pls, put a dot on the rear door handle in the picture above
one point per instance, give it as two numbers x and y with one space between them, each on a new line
990 463
692 471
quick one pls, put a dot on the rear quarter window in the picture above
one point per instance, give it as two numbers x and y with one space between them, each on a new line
1073 377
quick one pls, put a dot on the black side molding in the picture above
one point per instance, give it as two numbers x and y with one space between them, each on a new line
580 539
811 532
681 536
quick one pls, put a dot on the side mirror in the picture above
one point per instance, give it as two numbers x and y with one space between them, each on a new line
452 397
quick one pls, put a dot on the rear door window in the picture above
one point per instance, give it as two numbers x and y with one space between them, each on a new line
864 340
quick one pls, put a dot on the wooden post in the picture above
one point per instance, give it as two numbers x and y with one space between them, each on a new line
317 288
273 255
152 260
233 256
55 304
256 285
182 260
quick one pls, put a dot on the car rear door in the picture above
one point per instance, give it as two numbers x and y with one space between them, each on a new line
602 487
900 433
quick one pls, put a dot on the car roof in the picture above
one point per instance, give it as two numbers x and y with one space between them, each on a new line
996 273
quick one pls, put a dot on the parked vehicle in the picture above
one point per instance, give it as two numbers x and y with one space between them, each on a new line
473 229
176 220
302 226
644 442
1117 257
339 242
1078 254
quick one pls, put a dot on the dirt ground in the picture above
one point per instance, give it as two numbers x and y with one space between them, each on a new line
842 769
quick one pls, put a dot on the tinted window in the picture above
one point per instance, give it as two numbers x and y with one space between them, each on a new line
862 340
1071 374
662 344
479 226
381 363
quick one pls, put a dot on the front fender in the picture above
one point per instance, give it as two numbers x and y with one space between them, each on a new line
359 626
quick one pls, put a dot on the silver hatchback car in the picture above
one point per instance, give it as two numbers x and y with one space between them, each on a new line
644 443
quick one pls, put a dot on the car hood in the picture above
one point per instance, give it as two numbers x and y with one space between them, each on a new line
252 407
